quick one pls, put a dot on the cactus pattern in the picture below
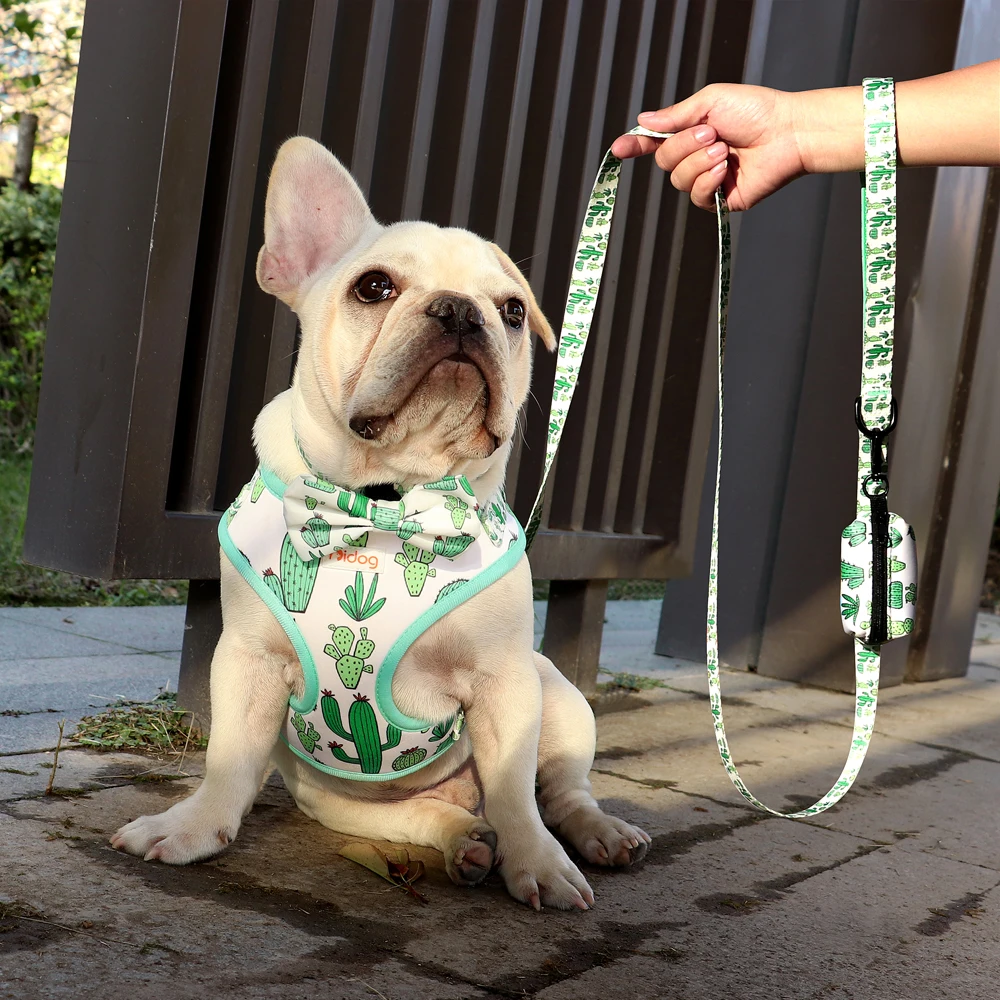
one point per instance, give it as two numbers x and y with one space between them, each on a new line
459 511
363 732
353 597
273 582
416 567
441 730
316 532
896 595
449 588
849 607
911 594
453 546
350 665
258 488
311 503
319 484
896 565
298 577
355 504
307 737
408 758
904 627
358 543
894 538
853 576
855 532
444 483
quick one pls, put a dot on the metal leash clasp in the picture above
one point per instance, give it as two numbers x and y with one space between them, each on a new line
876 483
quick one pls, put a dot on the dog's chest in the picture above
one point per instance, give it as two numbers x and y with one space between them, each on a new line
354 607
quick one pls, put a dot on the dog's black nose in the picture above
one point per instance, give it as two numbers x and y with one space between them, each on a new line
457 315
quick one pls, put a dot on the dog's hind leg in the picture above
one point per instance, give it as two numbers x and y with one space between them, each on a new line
467 842
565 756
251 682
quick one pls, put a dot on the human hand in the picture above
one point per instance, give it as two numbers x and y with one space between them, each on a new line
740 137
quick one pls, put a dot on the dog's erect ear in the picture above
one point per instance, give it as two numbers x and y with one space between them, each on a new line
536 319
314 214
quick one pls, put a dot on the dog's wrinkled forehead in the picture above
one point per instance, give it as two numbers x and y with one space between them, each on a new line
425 257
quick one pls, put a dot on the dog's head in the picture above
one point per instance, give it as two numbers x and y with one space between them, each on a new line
416 350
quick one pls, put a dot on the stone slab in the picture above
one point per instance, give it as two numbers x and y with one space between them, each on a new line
150 629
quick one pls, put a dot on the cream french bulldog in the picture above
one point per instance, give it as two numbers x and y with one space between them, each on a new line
415 359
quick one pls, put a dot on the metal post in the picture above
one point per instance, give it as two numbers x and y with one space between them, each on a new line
574 624
202 628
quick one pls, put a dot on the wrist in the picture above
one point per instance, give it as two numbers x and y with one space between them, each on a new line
828 126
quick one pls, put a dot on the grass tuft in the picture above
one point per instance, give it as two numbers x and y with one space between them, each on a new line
23 585
156 726
628 682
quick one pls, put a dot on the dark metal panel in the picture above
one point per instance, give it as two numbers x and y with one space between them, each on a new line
601 336
618 106
518 121
609 473
543 367
533 216
218 291
350 46
316 77
452 95
400 90
109 204
416 172
259 315
597 555
370 106
472 119
965 504
771 308
644 401
802 636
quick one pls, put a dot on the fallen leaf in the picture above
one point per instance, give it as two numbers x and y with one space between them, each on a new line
369 856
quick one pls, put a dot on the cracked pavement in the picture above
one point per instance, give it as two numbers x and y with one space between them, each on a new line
895 891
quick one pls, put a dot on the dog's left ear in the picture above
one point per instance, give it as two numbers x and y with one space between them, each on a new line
537 322
313 215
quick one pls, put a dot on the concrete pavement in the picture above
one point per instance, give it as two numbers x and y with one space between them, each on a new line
895 892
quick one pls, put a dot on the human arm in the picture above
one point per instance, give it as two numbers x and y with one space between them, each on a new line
754 140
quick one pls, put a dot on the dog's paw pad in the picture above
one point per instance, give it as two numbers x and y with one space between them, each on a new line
469 859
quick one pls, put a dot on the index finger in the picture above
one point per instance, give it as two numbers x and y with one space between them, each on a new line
627 146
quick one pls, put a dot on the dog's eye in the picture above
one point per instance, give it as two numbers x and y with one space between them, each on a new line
512 312
374 287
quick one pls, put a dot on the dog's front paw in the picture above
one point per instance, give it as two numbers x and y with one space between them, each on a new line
604 839
177 837
538 872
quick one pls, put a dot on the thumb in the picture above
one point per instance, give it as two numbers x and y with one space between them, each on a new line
692 110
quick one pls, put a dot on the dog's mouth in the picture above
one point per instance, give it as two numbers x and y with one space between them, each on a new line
374 426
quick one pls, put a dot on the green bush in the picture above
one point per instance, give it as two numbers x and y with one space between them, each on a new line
29 224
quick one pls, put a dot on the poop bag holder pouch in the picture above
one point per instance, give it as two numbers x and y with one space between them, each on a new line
878 553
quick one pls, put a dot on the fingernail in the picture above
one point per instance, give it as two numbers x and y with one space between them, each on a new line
645 115
704 133
718 149
720 168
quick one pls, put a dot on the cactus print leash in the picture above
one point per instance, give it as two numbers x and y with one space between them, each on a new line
581 300
875 402
878 201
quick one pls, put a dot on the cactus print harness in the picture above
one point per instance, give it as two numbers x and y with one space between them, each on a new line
878 564
353 582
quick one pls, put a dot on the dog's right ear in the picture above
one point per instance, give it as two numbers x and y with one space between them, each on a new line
313 215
